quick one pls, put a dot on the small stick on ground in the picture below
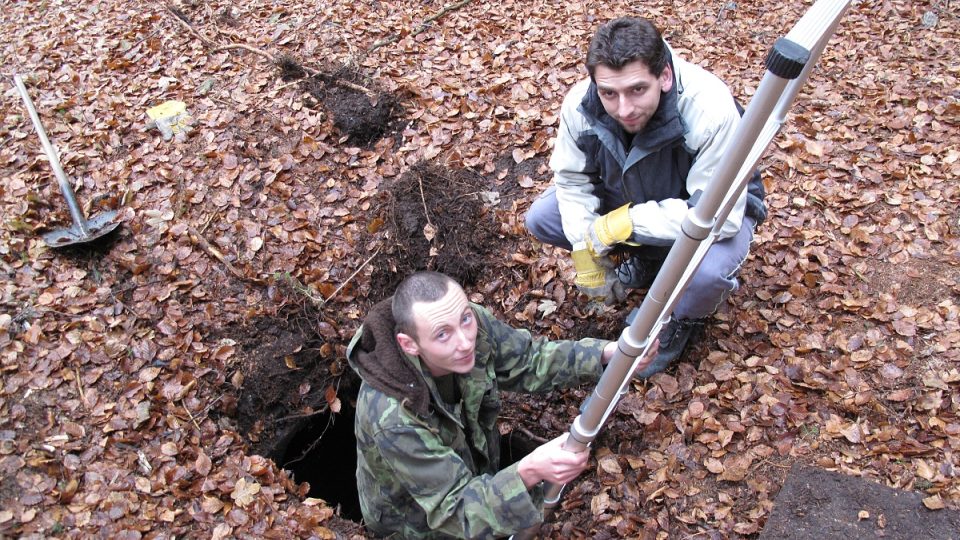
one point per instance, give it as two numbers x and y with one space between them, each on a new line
426 213
190 414
355 272
83 397
341 82
423 26
254 50
369 93
199 240
320 302
528 433
189 27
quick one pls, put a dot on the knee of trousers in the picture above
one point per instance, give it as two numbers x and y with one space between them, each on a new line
546 227
704 295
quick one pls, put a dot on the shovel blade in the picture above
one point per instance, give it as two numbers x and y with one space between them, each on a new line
97 226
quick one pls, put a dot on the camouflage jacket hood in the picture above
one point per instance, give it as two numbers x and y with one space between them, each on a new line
380 363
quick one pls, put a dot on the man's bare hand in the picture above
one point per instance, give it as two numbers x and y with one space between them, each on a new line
551 463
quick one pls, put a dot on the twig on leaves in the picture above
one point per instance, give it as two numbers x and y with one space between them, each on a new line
768 462
535 438
355 272
420 29
301 415
207 407
304 290
206 223
177 17
341 82
83 396
318 300
291 83
199 240
254 50
369 93
190 414
132 51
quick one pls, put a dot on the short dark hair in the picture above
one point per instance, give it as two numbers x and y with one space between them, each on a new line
418 287
624 40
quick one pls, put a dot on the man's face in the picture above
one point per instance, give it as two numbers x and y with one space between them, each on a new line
632 94
446 334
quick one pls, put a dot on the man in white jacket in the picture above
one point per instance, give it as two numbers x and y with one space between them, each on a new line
637 144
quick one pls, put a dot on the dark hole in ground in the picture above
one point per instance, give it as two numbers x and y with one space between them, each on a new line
292 373
324 454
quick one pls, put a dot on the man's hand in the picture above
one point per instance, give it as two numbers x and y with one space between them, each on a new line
609 230
650 356
610 348
597 278
551 463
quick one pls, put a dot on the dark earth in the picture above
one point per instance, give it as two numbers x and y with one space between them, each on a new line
360 111
817 504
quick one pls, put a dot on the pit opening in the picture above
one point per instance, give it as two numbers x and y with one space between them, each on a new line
324 454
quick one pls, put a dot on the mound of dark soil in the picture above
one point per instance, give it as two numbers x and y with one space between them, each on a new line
816 504
359 110
364 117
433 219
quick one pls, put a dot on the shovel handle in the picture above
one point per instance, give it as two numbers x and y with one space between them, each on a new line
78 220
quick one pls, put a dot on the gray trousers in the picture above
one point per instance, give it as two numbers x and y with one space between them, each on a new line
713 282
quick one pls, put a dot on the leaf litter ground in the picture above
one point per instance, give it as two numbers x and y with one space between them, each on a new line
122 391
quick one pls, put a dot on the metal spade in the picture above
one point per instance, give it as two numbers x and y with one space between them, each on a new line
83 230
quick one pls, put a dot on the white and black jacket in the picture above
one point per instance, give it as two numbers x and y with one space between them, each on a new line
674 157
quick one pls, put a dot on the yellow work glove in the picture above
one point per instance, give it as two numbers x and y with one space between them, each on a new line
596 278
609 230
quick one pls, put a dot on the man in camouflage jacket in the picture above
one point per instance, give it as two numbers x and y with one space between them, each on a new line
428 460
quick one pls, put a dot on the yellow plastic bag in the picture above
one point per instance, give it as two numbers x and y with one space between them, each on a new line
171 118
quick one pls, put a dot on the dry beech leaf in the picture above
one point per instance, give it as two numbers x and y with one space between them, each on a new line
244 492
934 502
221 531
852 433
202 464
599 503
211 505
713 465
609 464
429 232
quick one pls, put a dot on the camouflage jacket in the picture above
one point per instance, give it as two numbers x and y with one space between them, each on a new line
433 472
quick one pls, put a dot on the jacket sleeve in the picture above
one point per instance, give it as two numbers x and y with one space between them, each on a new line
454 500
710 113
578 204
522 363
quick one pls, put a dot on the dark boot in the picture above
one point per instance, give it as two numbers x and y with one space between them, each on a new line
637 272
673 337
